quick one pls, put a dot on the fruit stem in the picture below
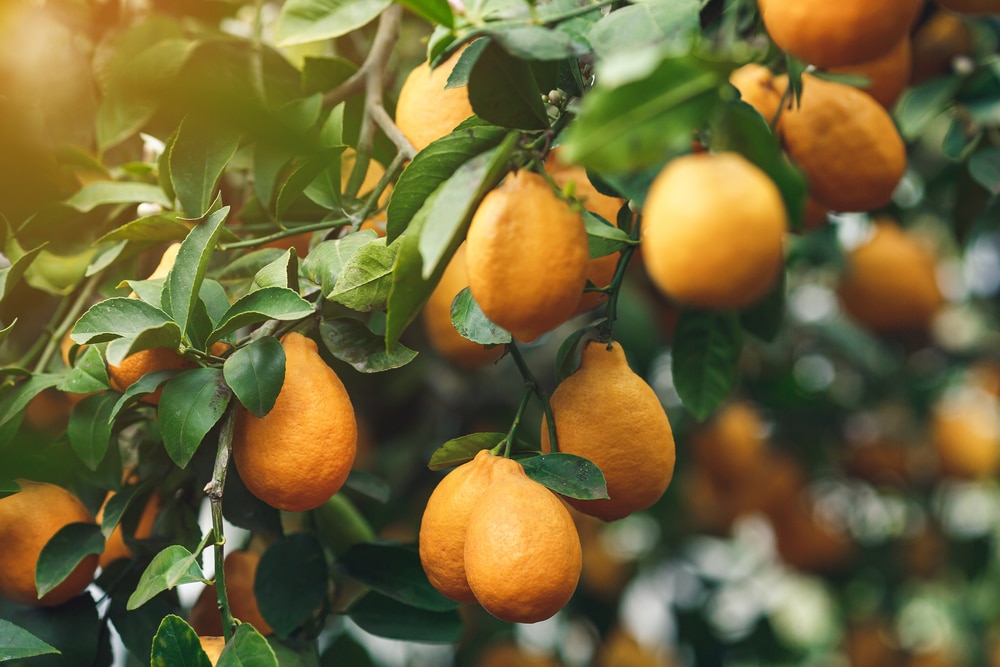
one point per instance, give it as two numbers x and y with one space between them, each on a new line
291 231
532 383
607 327
508 442
214 492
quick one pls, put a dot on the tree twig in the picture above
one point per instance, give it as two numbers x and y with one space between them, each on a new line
214 492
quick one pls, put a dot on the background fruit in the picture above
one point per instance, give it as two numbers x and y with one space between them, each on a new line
936 43
731 443
965 431
212 646
757 88
846 144
28 520
888 74
441 332
300 453
695 203
517 278
522 551
606 413
426 110
889 284
831 34
446 521
114 546
240 568
507 654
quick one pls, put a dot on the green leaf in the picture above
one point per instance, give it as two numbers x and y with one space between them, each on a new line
176 644
765 318
14 400
984 167
411 289
172 567
340 525
567 474
366 277
63 552
116 506
354 343
183 285
538 43
459 75
921 104
628 127
395 572
447 212
471 322
433 166
325 261
739 128
435 11
304 173
89 428
118 317
282 272
385 617
291 582
6 331
16 642
603 238
10 275
304 21
956 144
247 649
147 384
191 404
160 227
666 24
461 450
503 90
367 484
88 374
267 303
705 356
568 354
255 373
102 193
201 151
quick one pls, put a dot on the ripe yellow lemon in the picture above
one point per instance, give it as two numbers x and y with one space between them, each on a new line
446 521
965 432
212 646
426 110
606 413
522 551
441 332
28 520
845 142
890 283
831 34
527 256
887 74
712 231
731 444
240 569
757 88
300 453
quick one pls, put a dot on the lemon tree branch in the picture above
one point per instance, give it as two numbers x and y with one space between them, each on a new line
214 492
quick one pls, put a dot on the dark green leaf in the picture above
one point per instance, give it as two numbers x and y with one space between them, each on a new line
567 474
267 303
18 643
147 384
764 318
305 172
434 165
13 401
461 450
171 567
921 104
89 428
366 277
61 554
956 144
568 355
984 167
603 238
503 90
354 343
705 356
470 321
304 21
191 404
459 75
8 487
117 192
247 649
116 506
87 375
291 582
538 43
395 572
435 11
325 261
255 373
202 149
669 25
368 485
10 275
282 272
176 644
385 617
165 335
340 525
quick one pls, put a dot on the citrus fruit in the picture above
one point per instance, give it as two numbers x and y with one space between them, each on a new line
239 568
757 88
522 551
167 261
527 256
446 521
28 520
49 411
887 74
621 649
696 209
889 284
831 34
600 270
426 110
114 546
728 446
845 142
299 454
441 332
606 413
807 543
936 43
980 7
965 432
212 646
509 654
134 366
